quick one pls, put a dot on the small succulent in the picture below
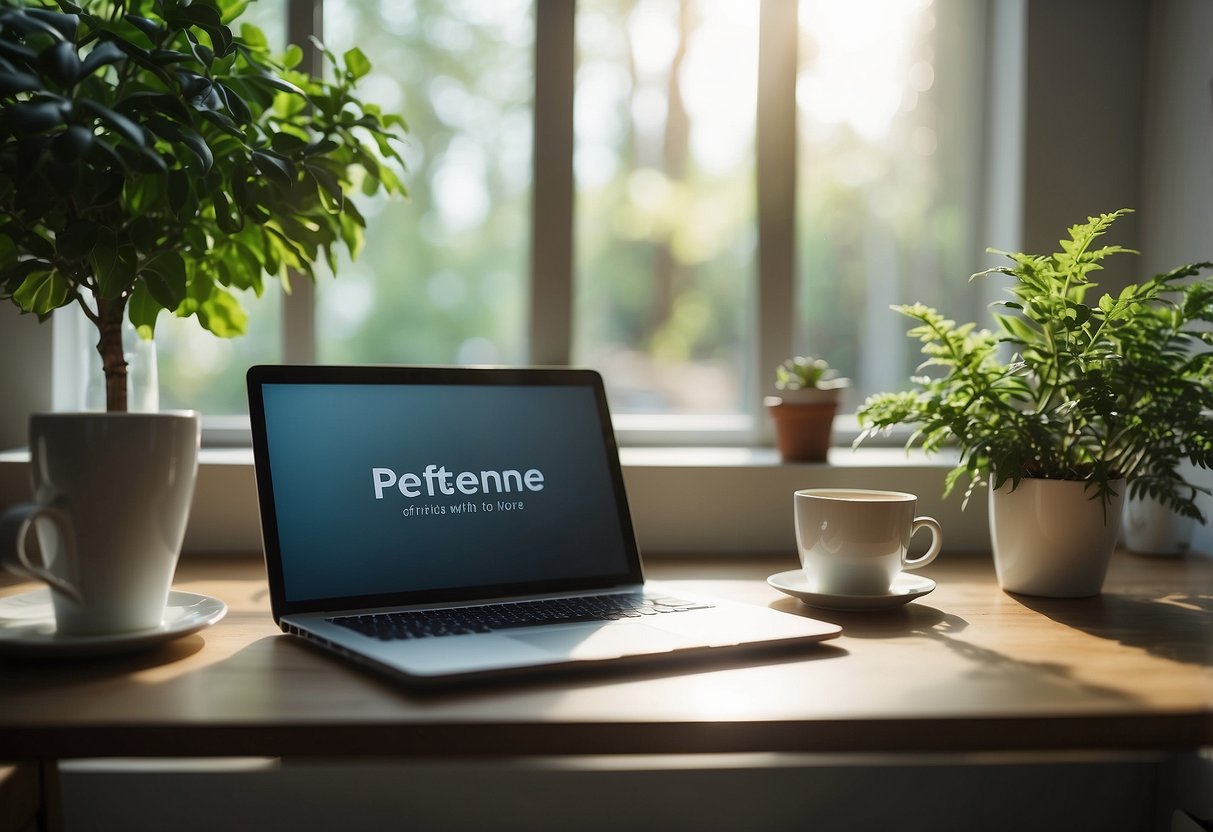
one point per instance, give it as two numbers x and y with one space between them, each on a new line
805 373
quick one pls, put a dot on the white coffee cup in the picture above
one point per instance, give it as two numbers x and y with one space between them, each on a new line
855 541
112 493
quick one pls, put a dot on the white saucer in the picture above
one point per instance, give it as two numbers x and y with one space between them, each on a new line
27 626
906 587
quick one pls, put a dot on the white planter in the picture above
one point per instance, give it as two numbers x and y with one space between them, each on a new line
1050 538
808 395
1153 529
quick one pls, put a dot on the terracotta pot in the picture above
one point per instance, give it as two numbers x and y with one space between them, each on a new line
802 429
1053 538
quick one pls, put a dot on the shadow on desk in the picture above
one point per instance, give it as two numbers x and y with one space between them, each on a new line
569 678
265 662
922 621
917 619
1171 626
54 670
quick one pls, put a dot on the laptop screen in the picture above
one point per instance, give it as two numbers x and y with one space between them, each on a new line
410 484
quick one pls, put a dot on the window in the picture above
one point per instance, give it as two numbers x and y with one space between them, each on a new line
698 130
443 277
196 369
665 102
889 160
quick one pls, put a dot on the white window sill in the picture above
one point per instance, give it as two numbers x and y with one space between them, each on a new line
716 500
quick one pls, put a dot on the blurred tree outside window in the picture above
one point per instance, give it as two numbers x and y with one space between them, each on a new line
196 369
443 277
665 100
889 101
889 157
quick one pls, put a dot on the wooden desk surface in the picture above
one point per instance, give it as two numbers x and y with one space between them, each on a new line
965 668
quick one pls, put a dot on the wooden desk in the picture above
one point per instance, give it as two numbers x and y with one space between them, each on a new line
966 668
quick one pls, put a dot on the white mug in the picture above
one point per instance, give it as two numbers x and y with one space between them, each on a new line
855 541
112 493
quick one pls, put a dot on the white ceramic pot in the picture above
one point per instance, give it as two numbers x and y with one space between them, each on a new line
1153 529
808 395
1053 538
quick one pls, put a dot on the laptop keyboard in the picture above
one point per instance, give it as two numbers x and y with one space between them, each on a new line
389 626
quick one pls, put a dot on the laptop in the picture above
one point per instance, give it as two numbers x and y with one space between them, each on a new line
452 524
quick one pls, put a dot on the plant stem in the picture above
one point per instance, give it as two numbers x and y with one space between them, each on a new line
88 313
109 346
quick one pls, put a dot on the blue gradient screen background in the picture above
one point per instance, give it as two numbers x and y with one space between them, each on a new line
337 540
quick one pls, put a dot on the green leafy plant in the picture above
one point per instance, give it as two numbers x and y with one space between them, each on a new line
806 373
1096 392
152 157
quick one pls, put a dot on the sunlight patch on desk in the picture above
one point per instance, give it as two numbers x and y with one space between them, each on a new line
1188 602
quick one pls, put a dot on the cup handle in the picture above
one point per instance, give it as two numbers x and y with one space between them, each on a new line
936 541
15 525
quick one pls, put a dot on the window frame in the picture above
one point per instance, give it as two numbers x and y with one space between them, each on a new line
552 271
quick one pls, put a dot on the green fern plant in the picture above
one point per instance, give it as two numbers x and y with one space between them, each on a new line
1118 388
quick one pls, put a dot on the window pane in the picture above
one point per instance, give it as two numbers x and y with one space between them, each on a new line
889 122
665 235
443 276
198 370
206 373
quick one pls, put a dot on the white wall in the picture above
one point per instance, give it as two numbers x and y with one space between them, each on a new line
25 373
1177 167
684 501
1084 93
1177 170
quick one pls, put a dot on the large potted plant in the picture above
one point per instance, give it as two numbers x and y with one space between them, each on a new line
154 157
1073 403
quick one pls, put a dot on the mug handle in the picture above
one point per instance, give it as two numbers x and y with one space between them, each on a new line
15 525
936 541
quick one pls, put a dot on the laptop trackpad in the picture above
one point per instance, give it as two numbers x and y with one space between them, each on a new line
599 641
